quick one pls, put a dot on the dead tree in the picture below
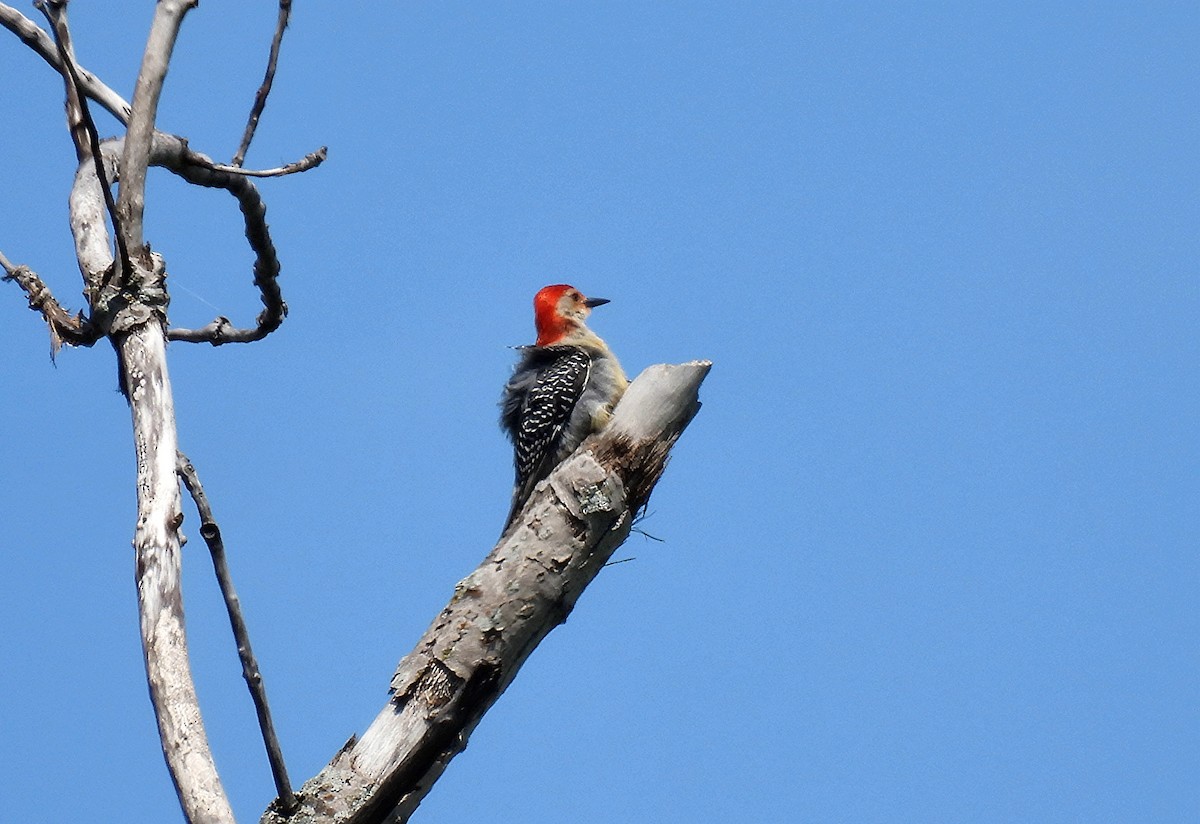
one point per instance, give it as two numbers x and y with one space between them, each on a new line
525 586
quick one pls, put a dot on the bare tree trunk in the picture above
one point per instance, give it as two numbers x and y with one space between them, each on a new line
524 588
128 297
160 598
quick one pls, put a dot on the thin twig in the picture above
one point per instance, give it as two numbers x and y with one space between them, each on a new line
622 561
216 547
646 534
260 97
309 161
55 12
31 35
81 119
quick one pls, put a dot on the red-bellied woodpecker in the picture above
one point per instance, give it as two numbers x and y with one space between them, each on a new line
562 390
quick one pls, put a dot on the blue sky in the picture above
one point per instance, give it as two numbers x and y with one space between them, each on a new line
929 550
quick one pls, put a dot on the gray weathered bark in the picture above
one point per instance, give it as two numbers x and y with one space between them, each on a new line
160 596
525 587
138 328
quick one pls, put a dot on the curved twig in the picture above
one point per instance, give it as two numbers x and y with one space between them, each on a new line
266 262
172 153
309 161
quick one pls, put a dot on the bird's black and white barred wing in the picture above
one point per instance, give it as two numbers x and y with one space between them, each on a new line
537 405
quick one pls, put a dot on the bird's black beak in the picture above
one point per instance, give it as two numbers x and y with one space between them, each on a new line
592 303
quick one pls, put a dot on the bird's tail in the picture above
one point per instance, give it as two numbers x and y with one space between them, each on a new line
519 498
512 517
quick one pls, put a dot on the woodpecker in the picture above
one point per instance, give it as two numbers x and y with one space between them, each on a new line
562 390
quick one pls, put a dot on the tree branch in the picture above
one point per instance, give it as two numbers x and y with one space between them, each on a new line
137 330
79 119
31 35
260 97
160 598
524 588
64 327
134 317
309 161
164 30
171 152
254 681
55 12
89 229
266 263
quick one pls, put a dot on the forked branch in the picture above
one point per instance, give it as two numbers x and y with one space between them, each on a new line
137 327
167 151
172 153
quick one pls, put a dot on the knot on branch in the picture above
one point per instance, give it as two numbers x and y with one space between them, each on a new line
593 499
138 297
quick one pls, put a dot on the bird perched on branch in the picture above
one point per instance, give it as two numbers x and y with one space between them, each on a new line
563 389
